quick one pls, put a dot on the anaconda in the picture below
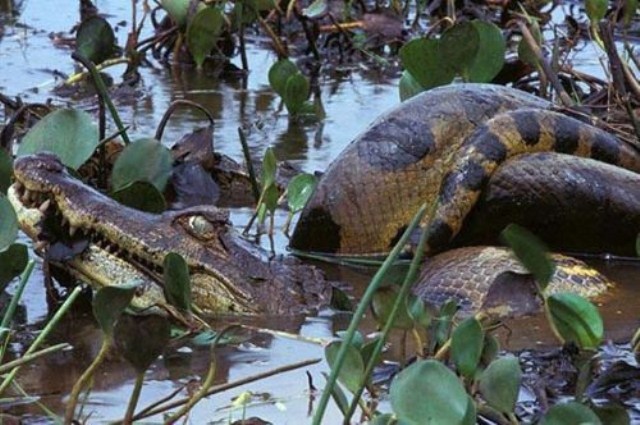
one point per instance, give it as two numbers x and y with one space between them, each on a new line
442 147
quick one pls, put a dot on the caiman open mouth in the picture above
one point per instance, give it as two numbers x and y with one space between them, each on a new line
52 226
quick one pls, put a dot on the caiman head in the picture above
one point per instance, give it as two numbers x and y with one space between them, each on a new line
121 244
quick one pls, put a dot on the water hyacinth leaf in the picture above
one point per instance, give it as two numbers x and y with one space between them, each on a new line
575 319
531 252
177 10
418 312
203 32
466 346
459 45
6 171
489 57
408 86
144 160
444 320
177 282
109 303
628 11
299 191
357 340
596 10
352 370
470 417
142 196
382 304
499 384
296 92
383 419
279 74
95 39
427 392
421 57
570 413
141 339
68 133
269 167
366 351
525 53
8 223
612 414
316 9
270 198
490 349
13 260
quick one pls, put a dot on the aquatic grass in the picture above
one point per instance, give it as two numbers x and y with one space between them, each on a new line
13 304
363 305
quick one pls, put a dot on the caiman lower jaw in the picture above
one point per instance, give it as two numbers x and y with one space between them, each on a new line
104 263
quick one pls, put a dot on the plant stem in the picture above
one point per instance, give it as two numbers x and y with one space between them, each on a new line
31 357
8 315
359 313
133 401
255 187
84 378
103 93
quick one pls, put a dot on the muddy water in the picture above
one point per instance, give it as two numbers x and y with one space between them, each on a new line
28 65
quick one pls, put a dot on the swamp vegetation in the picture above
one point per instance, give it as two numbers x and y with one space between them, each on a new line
419 366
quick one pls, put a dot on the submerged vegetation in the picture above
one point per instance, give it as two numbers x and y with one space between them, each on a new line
457 373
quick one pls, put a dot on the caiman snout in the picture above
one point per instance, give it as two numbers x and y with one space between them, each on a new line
36 170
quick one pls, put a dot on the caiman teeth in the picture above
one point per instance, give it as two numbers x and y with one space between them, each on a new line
72 230
18 186
40 246
45 206
27 194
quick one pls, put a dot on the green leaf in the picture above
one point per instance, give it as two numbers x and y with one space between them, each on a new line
6 171
612 414
490 349
109 303
366 351
279 73
628 11
466 346
315 9
299 191
8 223
421 57
596 10
142 196
177 282
13 260
145 160
203 32
570 413
459 45
352 370
177 10
489 58
382 304
95 39
499 383
408 86
531 252
68 133
575 319
383 419
141 339
338 396
269 168
418 312
525 53
427 392
443 322
296 92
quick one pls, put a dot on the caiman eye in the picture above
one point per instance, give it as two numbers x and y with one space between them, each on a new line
201 228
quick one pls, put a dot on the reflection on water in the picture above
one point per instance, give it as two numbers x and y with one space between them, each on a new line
350 100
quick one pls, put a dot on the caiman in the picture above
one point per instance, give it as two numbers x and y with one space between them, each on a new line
228 274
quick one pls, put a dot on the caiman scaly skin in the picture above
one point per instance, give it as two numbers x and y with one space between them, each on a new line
227 274
441 146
